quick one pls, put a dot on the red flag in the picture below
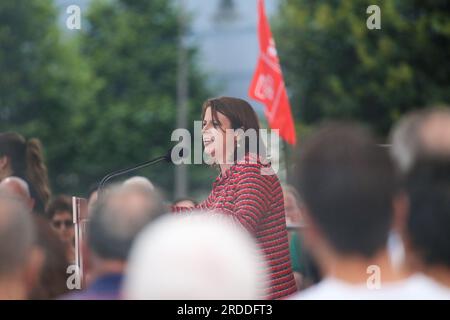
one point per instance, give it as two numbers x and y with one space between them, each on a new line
267 84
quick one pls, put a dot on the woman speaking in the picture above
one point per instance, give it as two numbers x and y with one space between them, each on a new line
246 188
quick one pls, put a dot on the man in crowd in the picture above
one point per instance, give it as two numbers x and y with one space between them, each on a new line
423 132
195 256
117 217
20 260
427 236
351 198
421 150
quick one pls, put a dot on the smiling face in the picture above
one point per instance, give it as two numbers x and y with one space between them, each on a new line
215 136
226 121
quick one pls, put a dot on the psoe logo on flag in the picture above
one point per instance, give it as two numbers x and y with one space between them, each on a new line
265 87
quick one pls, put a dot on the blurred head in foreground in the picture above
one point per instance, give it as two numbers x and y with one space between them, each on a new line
348 185
421 149
20 260
428 225
117 217
19 188
199 256
139 182
352 197
420 133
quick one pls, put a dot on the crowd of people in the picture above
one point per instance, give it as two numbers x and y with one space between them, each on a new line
361 219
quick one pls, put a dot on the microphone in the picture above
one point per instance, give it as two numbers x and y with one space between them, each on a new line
167 157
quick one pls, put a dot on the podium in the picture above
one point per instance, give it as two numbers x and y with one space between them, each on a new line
80 220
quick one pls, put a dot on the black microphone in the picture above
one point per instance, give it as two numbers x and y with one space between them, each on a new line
167 157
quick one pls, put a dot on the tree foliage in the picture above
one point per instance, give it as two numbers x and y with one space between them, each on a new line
102 99
337 68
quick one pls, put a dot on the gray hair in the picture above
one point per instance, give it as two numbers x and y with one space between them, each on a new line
407 137
404 140
118 216
195 256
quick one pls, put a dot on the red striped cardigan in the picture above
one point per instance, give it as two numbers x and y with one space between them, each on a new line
256 201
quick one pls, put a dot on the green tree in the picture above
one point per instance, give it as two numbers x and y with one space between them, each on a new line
42 81
337 68
132 47
101 99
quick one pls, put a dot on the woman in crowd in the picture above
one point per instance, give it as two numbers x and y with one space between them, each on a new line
23 158
52 280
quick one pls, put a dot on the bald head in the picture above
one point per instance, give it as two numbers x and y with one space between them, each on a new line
435 133
139 182
18 188
16 234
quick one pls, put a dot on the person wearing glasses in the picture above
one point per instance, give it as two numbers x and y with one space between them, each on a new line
60 214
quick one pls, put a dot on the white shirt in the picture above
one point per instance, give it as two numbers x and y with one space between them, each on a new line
415 287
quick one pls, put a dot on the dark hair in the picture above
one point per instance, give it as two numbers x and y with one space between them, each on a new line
27 162
347 183
52 280
428 187
60 203
241 116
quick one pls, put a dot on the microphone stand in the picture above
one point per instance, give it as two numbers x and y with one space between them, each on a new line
129 169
